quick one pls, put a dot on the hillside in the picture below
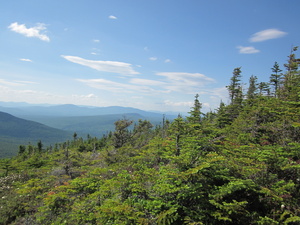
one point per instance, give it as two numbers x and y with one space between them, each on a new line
94 121
93 125
238 165
69 110
15 131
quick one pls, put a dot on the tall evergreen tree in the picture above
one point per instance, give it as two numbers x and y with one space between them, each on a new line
222 115
195 113
122 134
291 84
264 88
235 87
275 77
251 93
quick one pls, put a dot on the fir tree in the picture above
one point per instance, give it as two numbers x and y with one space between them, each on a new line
235 88
195 113
275 77
251 93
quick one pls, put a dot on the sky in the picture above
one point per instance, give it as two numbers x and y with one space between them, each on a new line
148 54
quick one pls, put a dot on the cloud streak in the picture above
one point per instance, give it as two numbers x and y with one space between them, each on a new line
167 82
30 32
185 82
105 66
247 49
116 87
15 83
112 17
268 34
26 60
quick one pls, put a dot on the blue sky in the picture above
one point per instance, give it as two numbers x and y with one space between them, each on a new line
147 54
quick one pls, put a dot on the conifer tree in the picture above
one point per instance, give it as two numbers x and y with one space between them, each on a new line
291 84
251 93
235 88
264 88
177 129
222 116
276 77
195 113
122 134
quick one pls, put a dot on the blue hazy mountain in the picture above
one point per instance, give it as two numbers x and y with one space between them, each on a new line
15 131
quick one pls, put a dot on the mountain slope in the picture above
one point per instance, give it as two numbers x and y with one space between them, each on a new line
92 125
71 110
83 120
15 131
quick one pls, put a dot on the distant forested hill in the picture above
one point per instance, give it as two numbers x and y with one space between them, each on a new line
237 165
15 131
83 120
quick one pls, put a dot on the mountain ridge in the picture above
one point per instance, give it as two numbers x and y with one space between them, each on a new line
16 131
23 109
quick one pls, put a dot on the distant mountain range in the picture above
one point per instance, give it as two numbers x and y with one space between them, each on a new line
25 109
37 122
15 131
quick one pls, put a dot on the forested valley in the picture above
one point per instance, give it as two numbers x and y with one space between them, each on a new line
239 164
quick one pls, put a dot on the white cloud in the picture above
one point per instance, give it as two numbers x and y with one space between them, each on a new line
267 35
170 103
168 61
25 82
139 81
30 32
105 66
11 83
28 91
112 17
116 87
26 60
96 40
247 50
153 58
89 96
185 82
186 77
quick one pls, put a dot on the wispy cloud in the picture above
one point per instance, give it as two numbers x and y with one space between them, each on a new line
117 87
153 58
247 49
112 17
11 83
30 32
171 103
26 60
267 35
185 82
105 66
88 96
165 82
186 78
147 82
168 61
96 40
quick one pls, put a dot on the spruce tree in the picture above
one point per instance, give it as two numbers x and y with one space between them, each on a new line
195 113
235 88
251 93
291 83
275 77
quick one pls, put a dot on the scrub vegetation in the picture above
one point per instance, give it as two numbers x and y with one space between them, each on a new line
237 165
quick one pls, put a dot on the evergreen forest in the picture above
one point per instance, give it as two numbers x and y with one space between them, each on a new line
239 164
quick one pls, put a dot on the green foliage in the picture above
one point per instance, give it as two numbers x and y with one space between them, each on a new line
238 165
